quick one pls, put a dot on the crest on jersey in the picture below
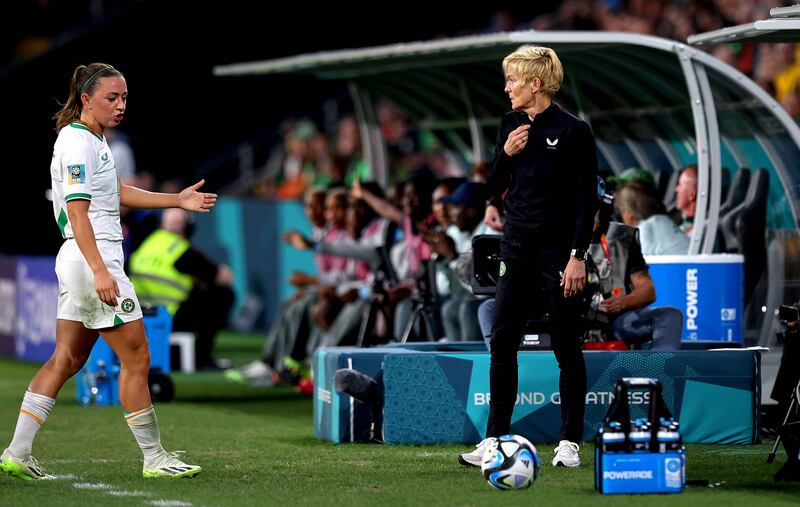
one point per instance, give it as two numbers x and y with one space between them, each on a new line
128 305
76 174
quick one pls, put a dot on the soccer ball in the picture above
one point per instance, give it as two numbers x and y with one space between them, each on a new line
511 463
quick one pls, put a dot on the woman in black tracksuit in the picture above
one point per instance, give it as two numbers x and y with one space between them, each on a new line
545 159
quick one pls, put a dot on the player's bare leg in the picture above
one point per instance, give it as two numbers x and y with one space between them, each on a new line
129 342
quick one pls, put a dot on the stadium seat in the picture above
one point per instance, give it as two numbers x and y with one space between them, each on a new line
734 197
725 184
185 343
662 182
669 189
743 230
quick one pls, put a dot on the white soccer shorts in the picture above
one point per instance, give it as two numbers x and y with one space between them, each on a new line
77 298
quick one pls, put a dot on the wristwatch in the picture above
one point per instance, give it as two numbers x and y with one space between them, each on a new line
579 254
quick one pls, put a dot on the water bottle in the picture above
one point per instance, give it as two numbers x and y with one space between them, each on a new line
613 437
641 431
96 385
669 436
89 388
100 388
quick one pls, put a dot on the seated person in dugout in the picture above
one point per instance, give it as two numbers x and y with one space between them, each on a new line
686 198
619 290
638 207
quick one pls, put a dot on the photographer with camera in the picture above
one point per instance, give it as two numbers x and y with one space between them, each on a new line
621 290
786 392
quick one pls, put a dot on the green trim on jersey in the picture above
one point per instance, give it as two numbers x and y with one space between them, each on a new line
118 321
70 197
87 129
62 223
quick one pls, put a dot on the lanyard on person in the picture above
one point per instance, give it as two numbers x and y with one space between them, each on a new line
616 291
604 244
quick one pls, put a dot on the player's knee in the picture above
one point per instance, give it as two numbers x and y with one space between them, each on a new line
136 358
141 359
67 363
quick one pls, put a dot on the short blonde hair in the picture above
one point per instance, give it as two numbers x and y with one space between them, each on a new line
535 61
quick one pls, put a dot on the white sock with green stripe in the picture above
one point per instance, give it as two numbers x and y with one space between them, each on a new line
144 426
32 414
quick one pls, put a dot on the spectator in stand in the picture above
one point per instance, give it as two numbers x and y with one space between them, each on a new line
366 232
292 330
686 197
291 167
348 149
467 206
410 253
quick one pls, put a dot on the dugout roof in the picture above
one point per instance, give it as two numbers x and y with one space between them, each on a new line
652 103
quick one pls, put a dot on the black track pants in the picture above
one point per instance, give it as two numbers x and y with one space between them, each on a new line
531 277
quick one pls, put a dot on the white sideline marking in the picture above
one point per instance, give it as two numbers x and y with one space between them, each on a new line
434 454
128 493
92 485
65 477
102 461
108 489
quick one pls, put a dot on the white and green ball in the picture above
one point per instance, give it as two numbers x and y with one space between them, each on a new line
511 462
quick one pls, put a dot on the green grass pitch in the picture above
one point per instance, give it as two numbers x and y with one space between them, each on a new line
257 448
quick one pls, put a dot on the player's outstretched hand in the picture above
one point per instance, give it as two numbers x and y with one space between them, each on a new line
192 200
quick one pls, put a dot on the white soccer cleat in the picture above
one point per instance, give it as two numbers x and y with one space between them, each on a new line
566 455
27 468
170 466
474 458
255 374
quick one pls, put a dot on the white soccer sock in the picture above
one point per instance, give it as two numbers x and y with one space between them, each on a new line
144 425
32 414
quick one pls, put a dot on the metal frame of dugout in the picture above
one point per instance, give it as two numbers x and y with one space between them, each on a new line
652 102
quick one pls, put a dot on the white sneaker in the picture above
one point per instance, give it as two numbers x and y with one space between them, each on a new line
255 374
27 468
170 466
474 458
566 454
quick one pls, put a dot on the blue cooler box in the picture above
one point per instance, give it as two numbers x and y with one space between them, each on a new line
98 381
707 289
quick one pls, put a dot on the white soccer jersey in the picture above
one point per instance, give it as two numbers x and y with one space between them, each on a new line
83 168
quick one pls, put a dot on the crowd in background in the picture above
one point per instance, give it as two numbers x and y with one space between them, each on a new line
412 218
307 156
397 265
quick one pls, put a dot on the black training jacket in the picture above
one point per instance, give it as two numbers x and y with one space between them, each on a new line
552 183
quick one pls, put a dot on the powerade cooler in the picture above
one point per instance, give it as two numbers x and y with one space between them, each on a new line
98 381
641 456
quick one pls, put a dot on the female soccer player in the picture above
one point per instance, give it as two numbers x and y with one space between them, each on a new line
95 295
